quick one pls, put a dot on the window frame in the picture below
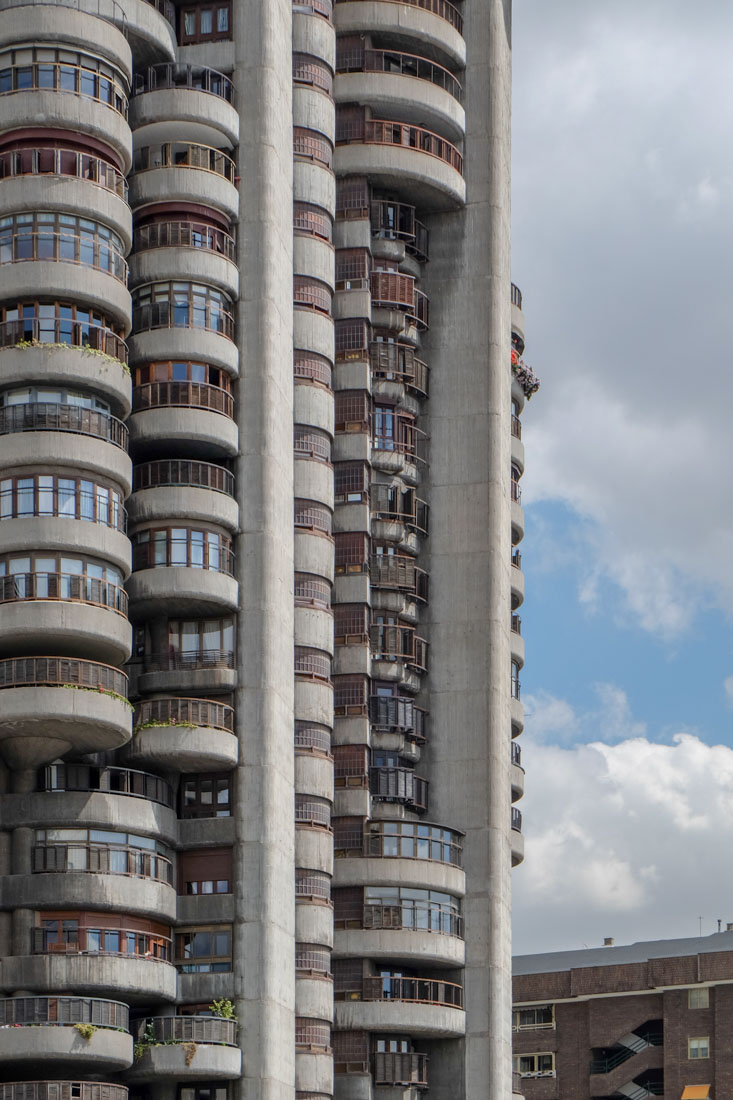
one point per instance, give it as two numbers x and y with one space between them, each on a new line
693 1051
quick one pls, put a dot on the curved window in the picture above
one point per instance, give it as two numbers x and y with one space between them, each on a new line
30 395
194 385
409 840
182 305
68 497
102 934
27 69
421 910
185 546
104 851
55 236
61 160
185 234
61 323
184 154
39 576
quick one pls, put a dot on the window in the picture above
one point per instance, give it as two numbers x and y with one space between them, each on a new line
103 851
699 1047
205 871
533 1019
69 497
203 1092
207 23
205 796
698 998
57 236
534 1065
182 546
204 950
61 323
182 305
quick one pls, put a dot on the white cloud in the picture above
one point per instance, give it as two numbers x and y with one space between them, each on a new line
629 839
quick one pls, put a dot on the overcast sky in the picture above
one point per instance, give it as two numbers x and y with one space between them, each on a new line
623 248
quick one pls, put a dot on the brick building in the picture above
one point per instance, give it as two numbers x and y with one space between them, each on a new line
647 1019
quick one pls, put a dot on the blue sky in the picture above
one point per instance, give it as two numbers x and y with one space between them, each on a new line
622 246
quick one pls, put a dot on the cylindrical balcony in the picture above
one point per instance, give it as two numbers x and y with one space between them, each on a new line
185 735
403 929
169 97
182 489
389 784
192 417
185 171
398 645
165 1044
51 705
206 251
437 22
189 570
394 366
68 1032
88 778
428 1007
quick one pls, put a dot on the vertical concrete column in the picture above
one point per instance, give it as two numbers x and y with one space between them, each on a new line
264 970
470 544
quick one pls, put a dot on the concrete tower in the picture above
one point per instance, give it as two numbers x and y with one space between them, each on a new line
259 459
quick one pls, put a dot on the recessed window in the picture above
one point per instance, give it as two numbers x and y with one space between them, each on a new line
699 1047
698 998
205 796
206 23
535 1065
533 1019
204 950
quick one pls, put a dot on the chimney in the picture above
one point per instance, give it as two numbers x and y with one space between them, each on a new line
729 927
608 941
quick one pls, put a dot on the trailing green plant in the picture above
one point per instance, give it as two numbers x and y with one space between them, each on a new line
22 345
85 1030
154 725
99 691
223 1008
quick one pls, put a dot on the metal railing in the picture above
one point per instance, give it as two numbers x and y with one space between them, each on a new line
62 1011
400 1068
392 713
125 942
42 416
191 395
402 64
400 572
201 658
82 858
396 221
62 1090
65 77
185 154
186 1029
62 588
88 778
183 712
197 78
183 471
413 917
383 507
74 334
377 131
23 245
390 784
516 820
516 753
440 8
398 363
516 296
176 234
61 672
398 643
41 160
316 7
417 990
517 559
516 426
516 623
605 1065
391 289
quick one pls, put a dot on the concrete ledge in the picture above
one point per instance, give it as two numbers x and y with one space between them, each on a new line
313 405
83 454
518 323
314 701
200 832
89 890
314 36
201 264
205 909
186 1062
176 184
517 453
195 682
407 1017
313 480
188 502
182 749
204 988
206 118
94 809
54 364
107 1051
62 280
403 20
71 112
314 183
421 873
314 997
393 95
517 842
151 33
314 554
46 24
314 110
430 948
517 782
200 432
313 923
313 627
314 1072
517 583
74 536
314 775
184 590
516 711
137 981
71 195
313 331
314 848
200 344
432 184
517 514
38 724
70 627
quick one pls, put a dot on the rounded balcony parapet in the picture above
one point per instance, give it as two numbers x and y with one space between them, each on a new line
442 8
186 1029
65 77
43 416
323 8
63 587
63 1090
182 471
404 64
56 331
60 1011
190 395
65 778
186 234
184 154
26 159
197 78
175 711
376 131
62 672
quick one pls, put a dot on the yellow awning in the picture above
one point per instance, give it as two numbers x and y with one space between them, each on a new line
696 1092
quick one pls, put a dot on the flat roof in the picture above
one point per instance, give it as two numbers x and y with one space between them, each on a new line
617 956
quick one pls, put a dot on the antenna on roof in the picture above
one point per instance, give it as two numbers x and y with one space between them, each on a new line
700 922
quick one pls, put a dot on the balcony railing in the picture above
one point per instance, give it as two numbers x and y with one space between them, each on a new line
516 426
517 1084
516 296
125 942
183 471
73 334
397 221
201 658
516 623
24 245
399 643
411 916
400 572
393 290
63 588
185 235
391 713
516 820
516 753
42 160
46 416
190 395
195 78
88 778
389 784
183 712
186 1029
385 132
402 437
400 1068
61 672
398 363
100 859
517 559
62 1011
403 64
62 1090
185 154
387 506
416 990
440 8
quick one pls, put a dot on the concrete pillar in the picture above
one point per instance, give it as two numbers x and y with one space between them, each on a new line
264 967
21 851
22 925
468 280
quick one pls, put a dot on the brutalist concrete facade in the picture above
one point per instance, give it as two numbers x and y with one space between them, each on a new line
649 1019
260 451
